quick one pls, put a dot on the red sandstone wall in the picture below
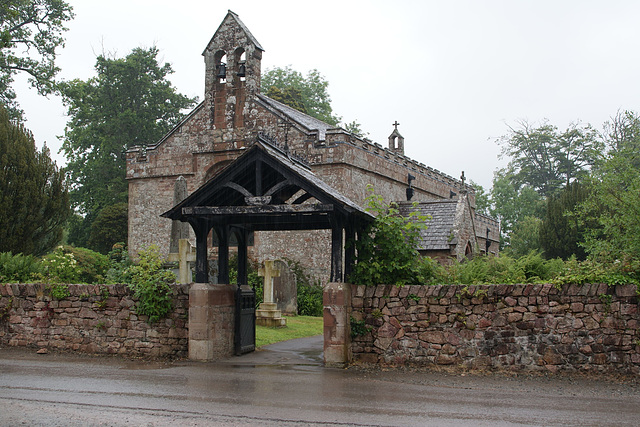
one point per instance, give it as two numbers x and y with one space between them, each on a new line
530 327
89 323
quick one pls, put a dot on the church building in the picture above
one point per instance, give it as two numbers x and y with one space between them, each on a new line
231 118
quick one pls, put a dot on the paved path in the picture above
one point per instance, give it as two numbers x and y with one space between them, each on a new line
285 385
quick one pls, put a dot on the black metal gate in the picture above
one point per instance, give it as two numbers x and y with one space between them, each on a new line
245 336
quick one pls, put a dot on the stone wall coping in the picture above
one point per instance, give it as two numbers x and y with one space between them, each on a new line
115 290
546 289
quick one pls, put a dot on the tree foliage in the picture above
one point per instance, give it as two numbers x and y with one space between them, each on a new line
30 33
109 228
387 252
525 237
150 285
483 201
511 202
548 160
614 199
34 202
308 94
130 102
560 231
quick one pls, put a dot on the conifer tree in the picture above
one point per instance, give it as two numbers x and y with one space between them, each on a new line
34 202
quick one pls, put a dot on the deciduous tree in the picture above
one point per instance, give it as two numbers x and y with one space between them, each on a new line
30 33
130 102
611 213
310 91
548 160
511 202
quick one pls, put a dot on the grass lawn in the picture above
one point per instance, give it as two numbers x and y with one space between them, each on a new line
297 327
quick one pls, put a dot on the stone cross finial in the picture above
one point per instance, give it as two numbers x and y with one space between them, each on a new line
396 124
462 178
268 272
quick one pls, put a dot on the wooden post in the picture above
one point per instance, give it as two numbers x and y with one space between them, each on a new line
350 250
243 275
201 228
223 254
336 251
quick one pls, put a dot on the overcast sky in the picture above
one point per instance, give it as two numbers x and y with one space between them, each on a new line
455 74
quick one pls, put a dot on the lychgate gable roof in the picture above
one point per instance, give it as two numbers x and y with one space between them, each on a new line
267 189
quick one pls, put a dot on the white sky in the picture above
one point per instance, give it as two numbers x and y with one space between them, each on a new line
453 73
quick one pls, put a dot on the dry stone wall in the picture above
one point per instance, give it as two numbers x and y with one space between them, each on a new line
591 327
95 319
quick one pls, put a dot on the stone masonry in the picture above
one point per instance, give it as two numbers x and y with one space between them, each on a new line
591 327
94 319
228 120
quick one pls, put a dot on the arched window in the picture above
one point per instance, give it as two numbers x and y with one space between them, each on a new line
241 63
468 251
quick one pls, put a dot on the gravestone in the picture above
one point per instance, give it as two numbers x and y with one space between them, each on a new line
285 291
179 229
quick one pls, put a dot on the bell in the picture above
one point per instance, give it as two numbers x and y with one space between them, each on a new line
222 71
242 70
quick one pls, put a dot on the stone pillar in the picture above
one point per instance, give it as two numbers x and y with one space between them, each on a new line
211 321
337 327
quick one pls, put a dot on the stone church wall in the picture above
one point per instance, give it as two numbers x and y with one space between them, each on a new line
591 327
228 120
94 319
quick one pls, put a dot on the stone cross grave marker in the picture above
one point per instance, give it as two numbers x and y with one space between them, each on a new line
186 254
268 314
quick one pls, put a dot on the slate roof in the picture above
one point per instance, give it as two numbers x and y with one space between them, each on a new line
438 235
310 123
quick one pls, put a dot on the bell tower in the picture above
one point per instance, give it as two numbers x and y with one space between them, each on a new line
232 73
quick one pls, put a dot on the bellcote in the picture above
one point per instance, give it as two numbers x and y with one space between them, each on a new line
232 57
396 141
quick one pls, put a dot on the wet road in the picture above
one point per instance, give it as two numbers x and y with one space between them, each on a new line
287 386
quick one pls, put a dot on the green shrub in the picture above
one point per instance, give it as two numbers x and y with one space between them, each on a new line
18 268
254 280
109 227
67 264
150 285
387 252
310 299
533 268
93 265
119 263
59 291
60 267
309 295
